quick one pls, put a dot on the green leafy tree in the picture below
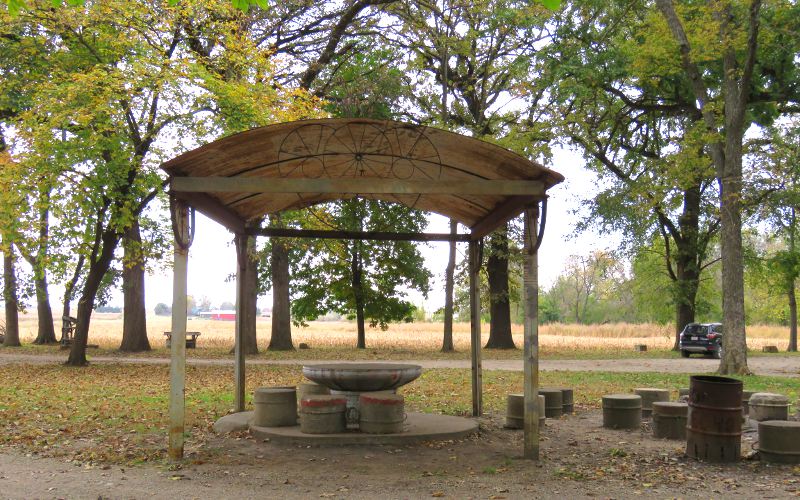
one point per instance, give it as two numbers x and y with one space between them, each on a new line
120 81
634 122
364 280
735 35
470 54
780 180
588 282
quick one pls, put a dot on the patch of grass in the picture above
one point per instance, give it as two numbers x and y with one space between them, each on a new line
119 413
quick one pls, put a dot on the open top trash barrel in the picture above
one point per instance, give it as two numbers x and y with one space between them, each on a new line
714 428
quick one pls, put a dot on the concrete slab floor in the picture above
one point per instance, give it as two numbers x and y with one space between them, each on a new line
418 427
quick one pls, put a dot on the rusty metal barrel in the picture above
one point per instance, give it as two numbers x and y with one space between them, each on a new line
321 414
779 441
714 428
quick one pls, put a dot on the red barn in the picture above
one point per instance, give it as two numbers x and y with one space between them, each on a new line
220 315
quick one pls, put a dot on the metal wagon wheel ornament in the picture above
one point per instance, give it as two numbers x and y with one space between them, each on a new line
360 150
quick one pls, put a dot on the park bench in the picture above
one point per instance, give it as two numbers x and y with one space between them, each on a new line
67 329
191 339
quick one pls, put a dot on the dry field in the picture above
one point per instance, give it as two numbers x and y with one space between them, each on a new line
106 330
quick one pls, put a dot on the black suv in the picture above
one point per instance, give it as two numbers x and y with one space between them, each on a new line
703 338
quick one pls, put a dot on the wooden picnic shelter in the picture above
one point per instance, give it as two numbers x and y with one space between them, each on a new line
293 165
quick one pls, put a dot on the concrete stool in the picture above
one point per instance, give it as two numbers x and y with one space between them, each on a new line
649 396
746 401
311 389
669 419
515 411
567 401
381 413
769 406
322 414
553 406
275 407
542 410
779 441
622 411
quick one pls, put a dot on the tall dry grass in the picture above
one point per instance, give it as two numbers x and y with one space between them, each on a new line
106 330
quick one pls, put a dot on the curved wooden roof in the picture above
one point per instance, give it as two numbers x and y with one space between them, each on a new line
275 168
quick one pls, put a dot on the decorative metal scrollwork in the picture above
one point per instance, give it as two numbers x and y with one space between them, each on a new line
351 150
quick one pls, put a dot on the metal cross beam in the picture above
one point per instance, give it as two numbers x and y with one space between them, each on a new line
355 235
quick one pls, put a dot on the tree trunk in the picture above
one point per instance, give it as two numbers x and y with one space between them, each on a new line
686 284
46 333
790 286
281 336
249 297
688 260
684 314
499 306
134 323
358 294
734 344
447 340
97 269
792 318
11 337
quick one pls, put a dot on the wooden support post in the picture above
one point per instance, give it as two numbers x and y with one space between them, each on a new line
239 368
530 299
475 328
177 366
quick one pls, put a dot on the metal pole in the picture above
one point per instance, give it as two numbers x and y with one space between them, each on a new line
239 368
530 298
475 329
177 367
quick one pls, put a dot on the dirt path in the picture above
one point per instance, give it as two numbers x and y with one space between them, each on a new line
783 366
